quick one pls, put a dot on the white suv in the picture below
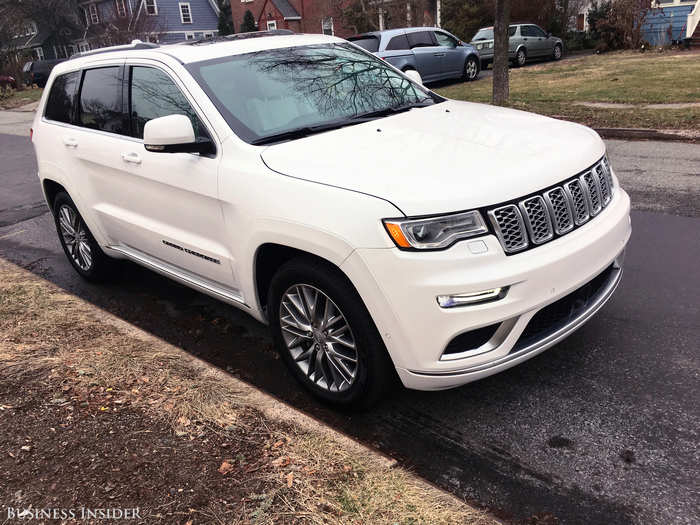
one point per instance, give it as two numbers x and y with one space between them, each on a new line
375 225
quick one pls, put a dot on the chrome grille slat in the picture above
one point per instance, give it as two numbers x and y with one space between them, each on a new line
561 210
537 219
510 228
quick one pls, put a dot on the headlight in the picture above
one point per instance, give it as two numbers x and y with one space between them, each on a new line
434 233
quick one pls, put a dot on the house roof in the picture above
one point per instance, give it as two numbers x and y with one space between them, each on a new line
29 41
287 9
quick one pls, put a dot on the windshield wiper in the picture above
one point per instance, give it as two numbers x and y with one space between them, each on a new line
390 111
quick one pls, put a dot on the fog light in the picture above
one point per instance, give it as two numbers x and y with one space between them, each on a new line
464 299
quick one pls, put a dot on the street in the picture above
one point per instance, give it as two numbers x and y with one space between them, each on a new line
602 428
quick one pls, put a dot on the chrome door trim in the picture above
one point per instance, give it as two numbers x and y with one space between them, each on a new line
181 275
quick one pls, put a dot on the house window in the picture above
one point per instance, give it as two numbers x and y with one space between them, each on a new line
327 26
94 15
39 53
121 8
208 35
185 13
151 7
271 25
189 36
84 47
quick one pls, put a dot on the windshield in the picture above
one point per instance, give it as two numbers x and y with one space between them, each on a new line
278 91
487 33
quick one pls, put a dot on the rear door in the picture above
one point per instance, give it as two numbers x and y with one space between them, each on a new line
427 54
535 40
453 61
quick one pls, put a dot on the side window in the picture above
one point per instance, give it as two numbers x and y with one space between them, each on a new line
153 95
61 104
527 31
538 32
421 39
445 40
101 100
397 43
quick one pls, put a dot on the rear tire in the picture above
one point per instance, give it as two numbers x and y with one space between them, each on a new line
79 245
520 58
471 69
326 336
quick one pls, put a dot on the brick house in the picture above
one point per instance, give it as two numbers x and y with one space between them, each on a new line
301 16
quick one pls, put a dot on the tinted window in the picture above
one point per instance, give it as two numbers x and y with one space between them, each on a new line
487 33
421 39
530 31
445 40
61 103
512 30
370 43
154 95
536 31
101 100
398 42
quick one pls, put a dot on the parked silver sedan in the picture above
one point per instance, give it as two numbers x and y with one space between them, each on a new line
433 52
526 41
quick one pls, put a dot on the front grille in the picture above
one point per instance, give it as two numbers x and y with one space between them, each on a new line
540 218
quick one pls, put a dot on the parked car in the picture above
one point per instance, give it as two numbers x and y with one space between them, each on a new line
38 71
434 53
526 41
377 227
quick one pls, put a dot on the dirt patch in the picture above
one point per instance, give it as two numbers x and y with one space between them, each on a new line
96 414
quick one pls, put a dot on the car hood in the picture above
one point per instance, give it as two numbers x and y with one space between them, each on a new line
443 158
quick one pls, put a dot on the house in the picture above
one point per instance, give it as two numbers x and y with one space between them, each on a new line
671 21
100 23
301 16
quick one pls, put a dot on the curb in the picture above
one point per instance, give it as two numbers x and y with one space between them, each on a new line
650 134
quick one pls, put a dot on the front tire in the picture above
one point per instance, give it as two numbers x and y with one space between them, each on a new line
556 55
471 69
79 245
325 334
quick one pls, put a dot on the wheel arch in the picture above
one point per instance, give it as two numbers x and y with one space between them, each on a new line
51 188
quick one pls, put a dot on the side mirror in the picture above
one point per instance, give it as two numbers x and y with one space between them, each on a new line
549 35
173 134
414 75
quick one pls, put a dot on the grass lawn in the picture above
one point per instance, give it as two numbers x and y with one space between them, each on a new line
19 98
555 88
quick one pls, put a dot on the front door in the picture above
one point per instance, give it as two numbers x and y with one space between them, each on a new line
427 53
453 61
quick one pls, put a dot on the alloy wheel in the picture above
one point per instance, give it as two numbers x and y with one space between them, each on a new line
319 338
472 69
521 58
557 52
75 237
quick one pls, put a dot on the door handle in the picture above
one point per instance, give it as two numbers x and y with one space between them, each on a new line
70 142
131 158
439 54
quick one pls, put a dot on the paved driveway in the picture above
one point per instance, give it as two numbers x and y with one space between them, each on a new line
602 428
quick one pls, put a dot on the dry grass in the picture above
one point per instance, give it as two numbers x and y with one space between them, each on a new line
312 474
552 88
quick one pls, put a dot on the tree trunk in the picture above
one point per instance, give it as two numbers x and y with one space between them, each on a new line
501 90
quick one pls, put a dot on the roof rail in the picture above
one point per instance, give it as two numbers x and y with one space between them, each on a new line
135 44
257 34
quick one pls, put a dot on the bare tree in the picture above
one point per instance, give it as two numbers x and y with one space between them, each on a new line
501 88
123 27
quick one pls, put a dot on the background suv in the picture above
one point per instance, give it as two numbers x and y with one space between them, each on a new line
434 53
379 229
526 41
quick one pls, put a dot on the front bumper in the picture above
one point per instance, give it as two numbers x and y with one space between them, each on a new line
400 290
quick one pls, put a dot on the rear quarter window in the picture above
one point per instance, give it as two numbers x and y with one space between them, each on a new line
370 43
61 103
397 43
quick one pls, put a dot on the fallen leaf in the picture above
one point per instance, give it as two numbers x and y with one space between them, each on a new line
281 461
278 444
184 421
347 468
290 479
225 468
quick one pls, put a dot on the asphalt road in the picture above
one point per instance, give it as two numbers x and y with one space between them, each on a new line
602 428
